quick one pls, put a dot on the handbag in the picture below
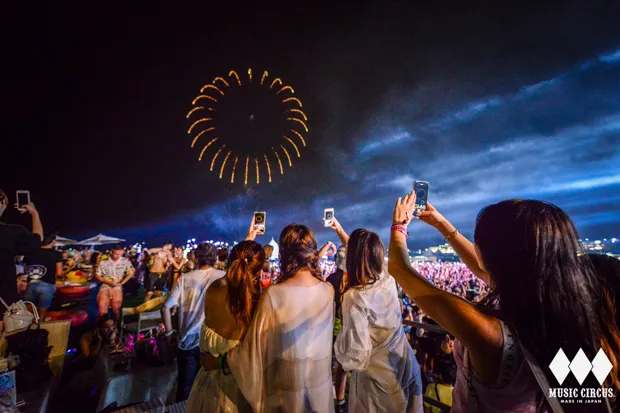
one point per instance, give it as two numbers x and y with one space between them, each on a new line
17 315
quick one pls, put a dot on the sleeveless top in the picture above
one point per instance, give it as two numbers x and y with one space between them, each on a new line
515 390
212 342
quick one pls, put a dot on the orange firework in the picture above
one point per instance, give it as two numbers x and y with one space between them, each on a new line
213 93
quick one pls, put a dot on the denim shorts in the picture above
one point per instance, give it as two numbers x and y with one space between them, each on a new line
40 293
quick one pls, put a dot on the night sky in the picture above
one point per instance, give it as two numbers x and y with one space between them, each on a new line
484 104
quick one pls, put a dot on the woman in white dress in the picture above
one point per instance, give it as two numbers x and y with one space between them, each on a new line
284 363
372 343
229 306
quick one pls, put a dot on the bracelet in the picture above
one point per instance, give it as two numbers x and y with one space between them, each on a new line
401 229
169 333
452 235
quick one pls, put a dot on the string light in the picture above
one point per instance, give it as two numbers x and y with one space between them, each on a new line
299 135
196 123
192 111
262 79
279 162
250 74
284 88
276 80
221 79
215 157
287 155
200 134
299 121
295 146
268 168
205 148
298 111
231 73
232 177
204 97
294 100
211 87
247 164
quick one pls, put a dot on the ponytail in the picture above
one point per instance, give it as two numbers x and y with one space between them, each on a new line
244 262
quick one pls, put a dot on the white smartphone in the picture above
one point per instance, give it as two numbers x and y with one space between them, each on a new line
23 198
420 189
328 216
260 221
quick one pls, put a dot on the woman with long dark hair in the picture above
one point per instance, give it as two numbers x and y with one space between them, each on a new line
229 307
543 300
372 343
284 363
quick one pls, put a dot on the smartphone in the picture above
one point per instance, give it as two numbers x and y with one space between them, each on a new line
23 198
328 216
420 188
260 221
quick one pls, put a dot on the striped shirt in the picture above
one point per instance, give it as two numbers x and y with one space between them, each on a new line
114 271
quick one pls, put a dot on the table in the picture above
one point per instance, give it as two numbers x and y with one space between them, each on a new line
141 383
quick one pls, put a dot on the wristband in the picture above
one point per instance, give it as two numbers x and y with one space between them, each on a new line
400 228
169 333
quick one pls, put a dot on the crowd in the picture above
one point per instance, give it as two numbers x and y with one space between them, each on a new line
255 335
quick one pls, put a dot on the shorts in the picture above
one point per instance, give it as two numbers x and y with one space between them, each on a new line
157 281
40 293
109 297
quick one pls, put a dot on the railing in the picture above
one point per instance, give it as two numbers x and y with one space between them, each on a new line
429 327
443 407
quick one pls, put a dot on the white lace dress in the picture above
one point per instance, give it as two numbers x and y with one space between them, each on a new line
212 390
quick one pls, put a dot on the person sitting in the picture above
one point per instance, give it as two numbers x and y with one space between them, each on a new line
42 268
104 334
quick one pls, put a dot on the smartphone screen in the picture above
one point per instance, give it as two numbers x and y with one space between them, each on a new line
23 198
328 216
421 194
260 221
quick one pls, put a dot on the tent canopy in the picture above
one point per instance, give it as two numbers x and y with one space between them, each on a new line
63 242
100 240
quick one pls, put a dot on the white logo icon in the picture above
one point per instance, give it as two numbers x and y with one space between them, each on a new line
580 366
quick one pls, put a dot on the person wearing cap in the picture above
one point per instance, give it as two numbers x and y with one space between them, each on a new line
113 273
15 240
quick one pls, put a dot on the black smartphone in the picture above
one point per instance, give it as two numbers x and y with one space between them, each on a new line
420 188
260 221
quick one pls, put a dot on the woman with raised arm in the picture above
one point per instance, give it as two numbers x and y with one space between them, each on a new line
542 300
372 343
284 363
229 307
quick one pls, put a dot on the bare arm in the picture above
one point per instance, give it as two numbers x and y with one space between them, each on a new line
461 245
344 237
37 227
128 276
103 280
165 315
480 333
59 270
